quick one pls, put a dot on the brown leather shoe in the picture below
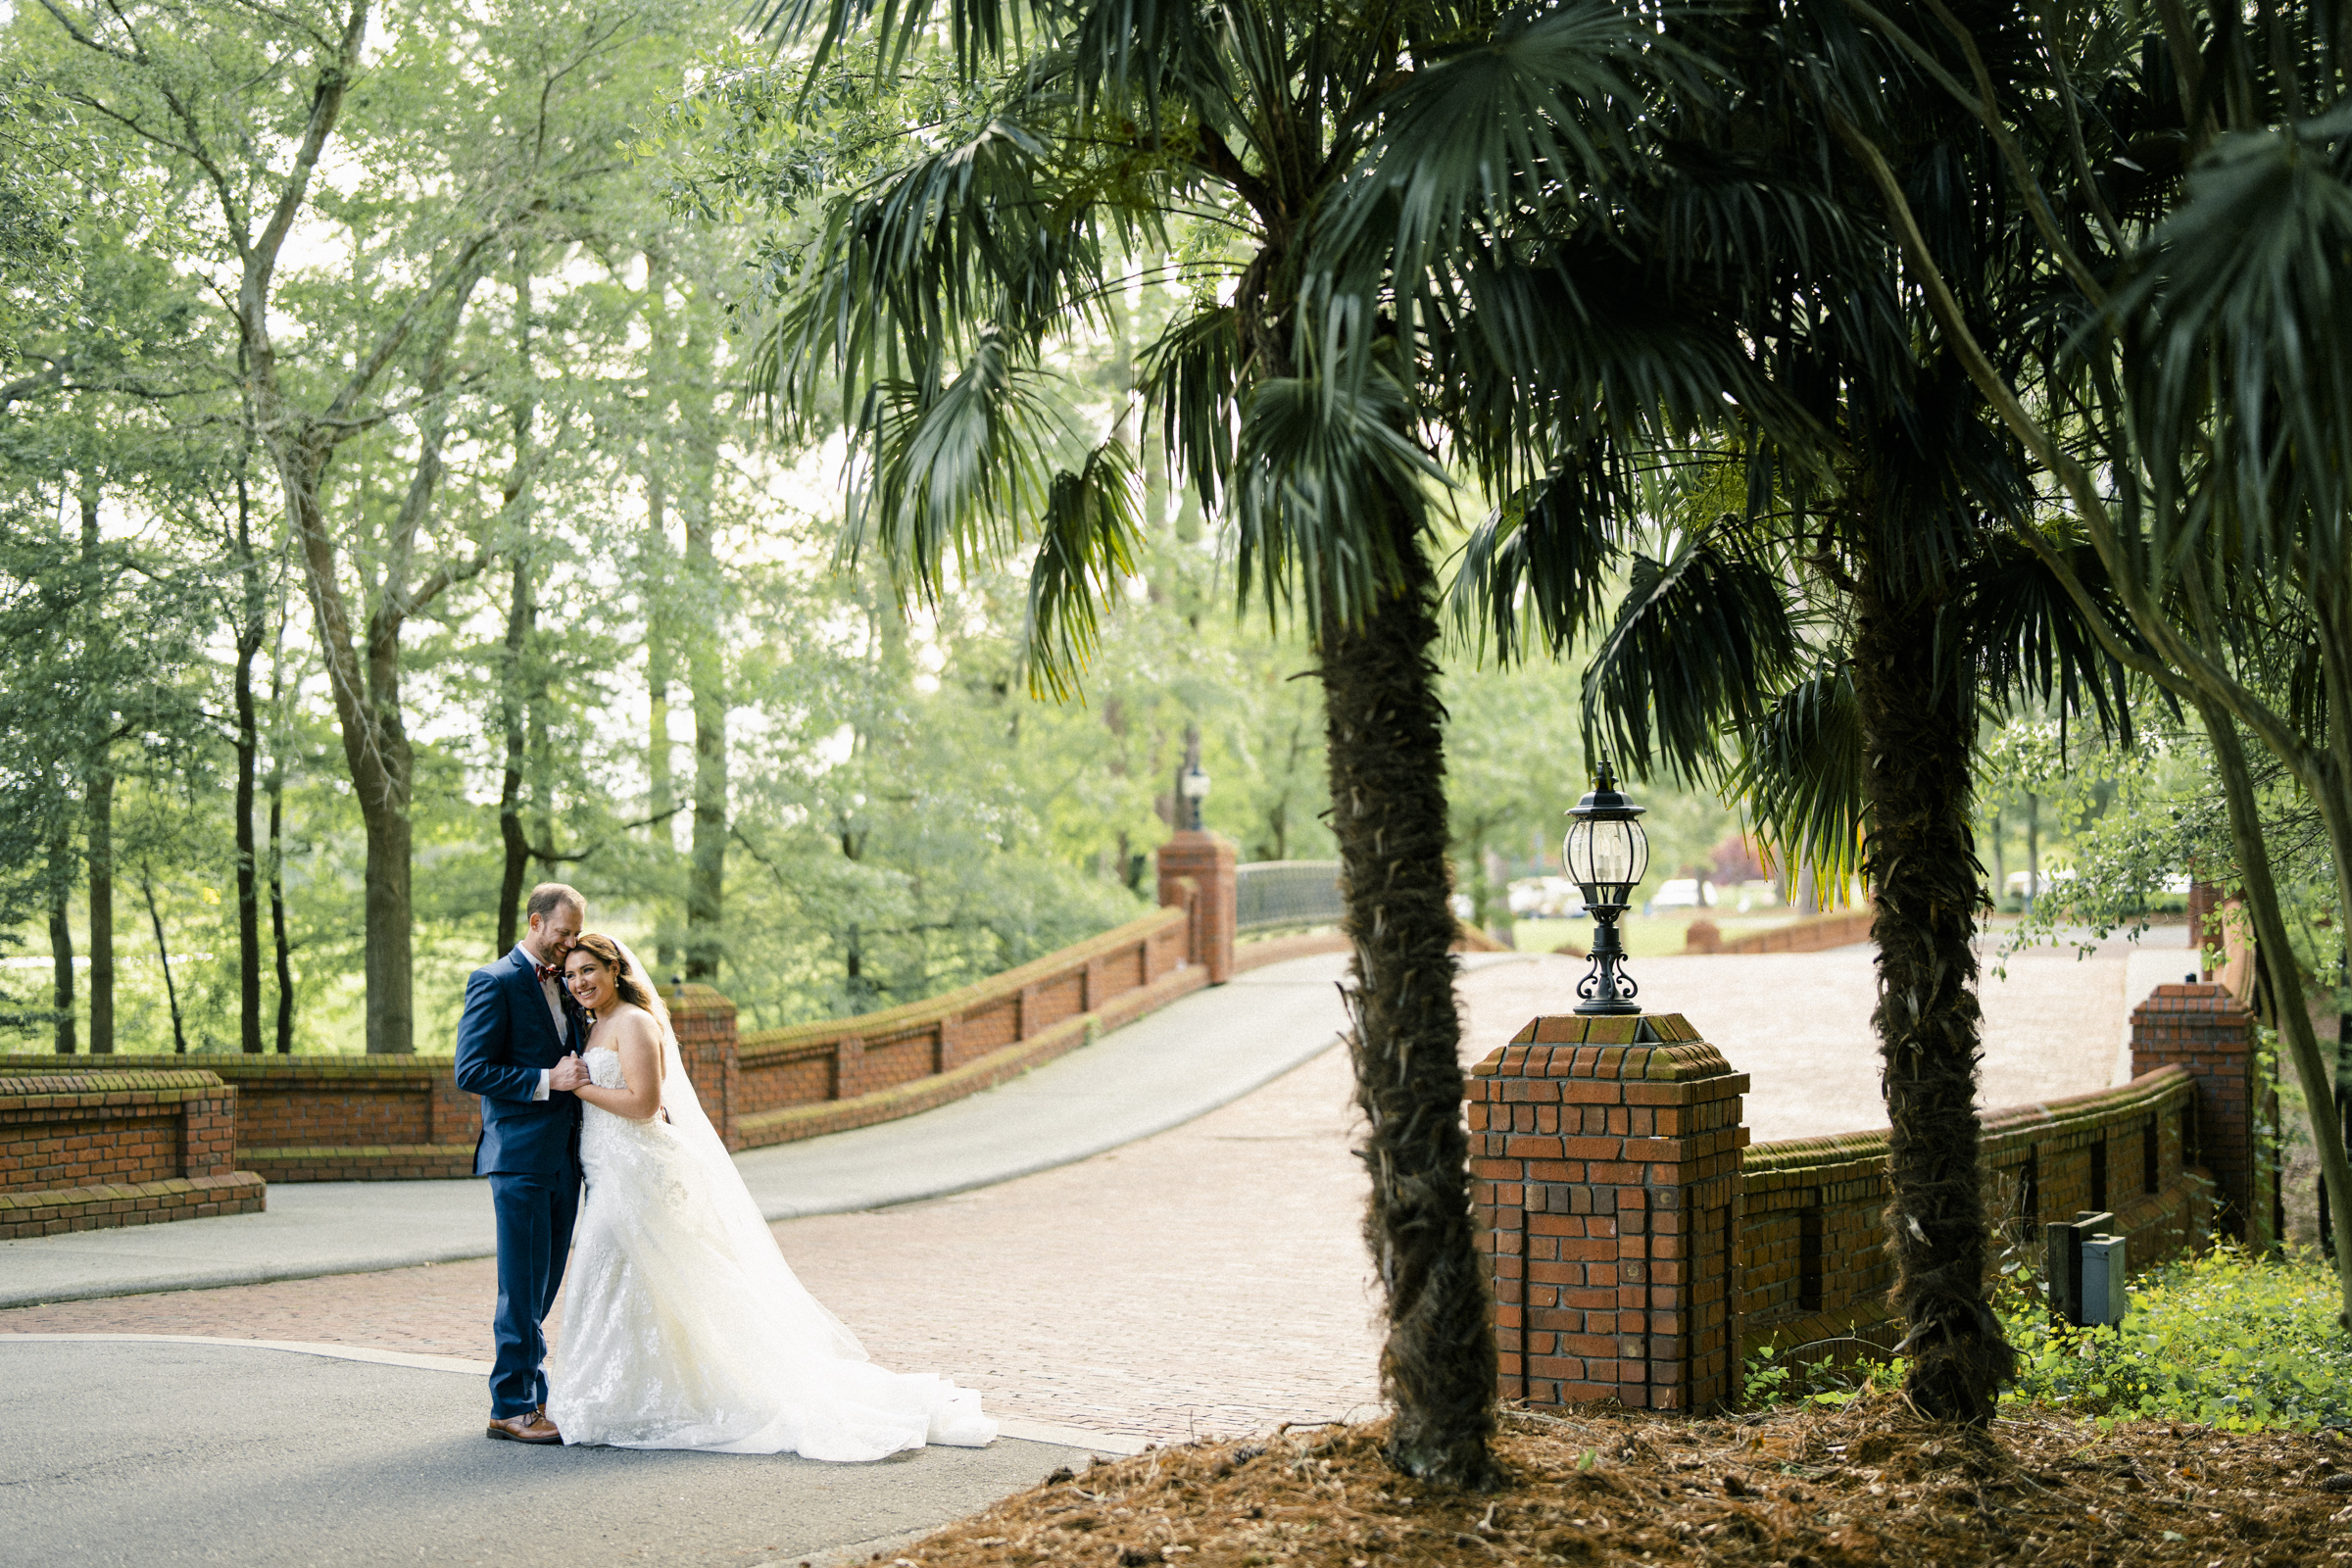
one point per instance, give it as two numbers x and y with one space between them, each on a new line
532 1428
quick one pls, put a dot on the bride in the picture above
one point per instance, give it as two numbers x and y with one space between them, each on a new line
683 1326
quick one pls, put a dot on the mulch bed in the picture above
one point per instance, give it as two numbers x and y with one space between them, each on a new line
1865 1484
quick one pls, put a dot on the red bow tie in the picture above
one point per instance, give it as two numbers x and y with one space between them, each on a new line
550 972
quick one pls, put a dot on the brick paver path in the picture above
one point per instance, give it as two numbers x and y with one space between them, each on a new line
1208 1280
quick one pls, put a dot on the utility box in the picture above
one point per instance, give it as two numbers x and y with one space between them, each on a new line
2064 1262
2103 1300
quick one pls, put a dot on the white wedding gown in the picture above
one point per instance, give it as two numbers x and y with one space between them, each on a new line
684 1328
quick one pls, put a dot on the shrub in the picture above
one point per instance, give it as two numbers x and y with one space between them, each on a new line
2225 1338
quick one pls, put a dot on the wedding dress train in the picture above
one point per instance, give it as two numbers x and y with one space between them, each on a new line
684 1326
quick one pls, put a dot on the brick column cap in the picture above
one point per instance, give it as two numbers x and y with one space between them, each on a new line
696 1001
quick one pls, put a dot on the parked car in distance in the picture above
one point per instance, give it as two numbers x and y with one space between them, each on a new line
1550 898
1681 892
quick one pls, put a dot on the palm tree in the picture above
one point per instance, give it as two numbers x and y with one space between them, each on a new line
1864 588
2197 421
1081 129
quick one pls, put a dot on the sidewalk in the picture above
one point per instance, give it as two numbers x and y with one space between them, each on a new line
1206 1051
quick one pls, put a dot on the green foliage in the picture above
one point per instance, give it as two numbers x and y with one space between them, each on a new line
2225 1338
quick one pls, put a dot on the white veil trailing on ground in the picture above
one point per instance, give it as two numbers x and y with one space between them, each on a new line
732 1211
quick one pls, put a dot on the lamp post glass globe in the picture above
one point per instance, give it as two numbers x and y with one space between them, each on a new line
1605 855
1192 784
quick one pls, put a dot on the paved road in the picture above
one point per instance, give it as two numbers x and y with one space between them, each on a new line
147 1453
1205 1050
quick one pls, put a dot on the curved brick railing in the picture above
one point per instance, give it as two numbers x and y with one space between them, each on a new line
85 1151
378 1118
779 1085
1814 933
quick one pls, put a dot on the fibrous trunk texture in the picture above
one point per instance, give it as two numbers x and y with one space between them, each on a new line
1386 727
1923 877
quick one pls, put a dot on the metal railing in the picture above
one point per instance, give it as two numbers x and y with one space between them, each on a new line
1270 894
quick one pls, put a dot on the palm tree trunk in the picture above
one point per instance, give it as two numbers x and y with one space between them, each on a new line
1386 727
1924 875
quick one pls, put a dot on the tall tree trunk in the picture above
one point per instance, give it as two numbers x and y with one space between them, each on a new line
2281 975
163 950
522 616
250 631
661 670
1386 731
60 935
707 675
99 830
1925 880
277 904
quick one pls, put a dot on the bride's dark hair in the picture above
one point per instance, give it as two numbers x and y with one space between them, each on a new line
607 951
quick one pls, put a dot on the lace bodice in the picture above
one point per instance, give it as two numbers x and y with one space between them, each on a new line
604 1068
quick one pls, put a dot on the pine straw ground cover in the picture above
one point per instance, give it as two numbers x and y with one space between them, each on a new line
1867 1483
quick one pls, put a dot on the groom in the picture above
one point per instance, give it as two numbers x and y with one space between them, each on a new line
517 1047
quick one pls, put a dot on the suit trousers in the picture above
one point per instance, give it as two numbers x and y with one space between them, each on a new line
535 1214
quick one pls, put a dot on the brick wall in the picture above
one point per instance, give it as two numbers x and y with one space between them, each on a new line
326 1118
83 1150
1812 934
1812 1247
2206 1029
1606 1160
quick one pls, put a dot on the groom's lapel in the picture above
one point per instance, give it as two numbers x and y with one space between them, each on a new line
526 978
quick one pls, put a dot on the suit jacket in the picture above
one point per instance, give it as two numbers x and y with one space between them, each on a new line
504 1038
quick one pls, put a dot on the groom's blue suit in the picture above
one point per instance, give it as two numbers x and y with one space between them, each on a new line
530 1149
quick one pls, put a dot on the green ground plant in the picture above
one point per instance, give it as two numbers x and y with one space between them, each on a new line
2227 1339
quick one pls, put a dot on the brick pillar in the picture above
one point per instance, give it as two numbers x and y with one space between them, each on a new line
1208 860
705 1025
1606 1160
2205 1028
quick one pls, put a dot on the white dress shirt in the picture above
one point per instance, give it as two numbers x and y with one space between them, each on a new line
555 1010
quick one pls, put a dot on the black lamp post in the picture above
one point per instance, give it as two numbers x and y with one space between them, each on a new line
1605 854
1191 784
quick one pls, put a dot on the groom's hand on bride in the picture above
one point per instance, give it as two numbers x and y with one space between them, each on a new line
568 1074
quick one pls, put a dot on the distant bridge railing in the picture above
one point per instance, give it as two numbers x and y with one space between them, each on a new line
1272 894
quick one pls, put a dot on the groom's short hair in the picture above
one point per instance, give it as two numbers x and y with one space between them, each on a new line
549 897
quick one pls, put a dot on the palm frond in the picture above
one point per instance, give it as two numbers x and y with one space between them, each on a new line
1800 779
1701 639
1320 469
1532 573
953 471
981 231
2011 630
2239 353
1091 541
